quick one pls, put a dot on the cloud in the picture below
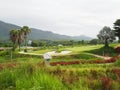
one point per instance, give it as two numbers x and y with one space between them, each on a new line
70 17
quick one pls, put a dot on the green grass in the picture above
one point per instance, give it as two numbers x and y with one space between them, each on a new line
79 49
109 51
41 51
72 57
75 49
2 59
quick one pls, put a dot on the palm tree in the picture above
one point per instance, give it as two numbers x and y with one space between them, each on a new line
26 30
20 38
14 37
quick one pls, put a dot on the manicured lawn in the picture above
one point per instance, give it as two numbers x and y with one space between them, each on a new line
74 49
84 48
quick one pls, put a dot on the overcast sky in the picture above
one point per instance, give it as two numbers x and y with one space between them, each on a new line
68 17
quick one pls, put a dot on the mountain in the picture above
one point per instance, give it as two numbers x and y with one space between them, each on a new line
47 35
5 28
37 33
81 37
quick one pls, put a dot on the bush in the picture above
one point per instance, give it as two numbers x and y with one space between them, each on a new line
3 53
117 63
25 50
106 83
117 49
102 51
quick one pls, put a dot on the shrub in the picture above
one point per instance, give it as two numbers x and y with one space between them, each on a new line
3 53
117 49
117 63
25 50
116 71
1 67
95 85
106 83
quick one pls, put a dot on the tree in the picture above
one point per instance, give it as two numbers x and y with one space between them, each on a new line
14 38
94 41
106 35
26 30
35 43
17 36
117 29
20 38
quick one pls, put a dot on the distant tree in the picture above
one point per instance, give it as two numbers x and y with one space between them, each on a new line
82 42
106 35
35 43
42 43
117 29
71 42
26 30
14 38
94 41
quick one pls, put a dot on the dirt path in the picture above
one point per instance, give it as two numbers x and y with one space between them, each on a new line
53 53
29 53
99 56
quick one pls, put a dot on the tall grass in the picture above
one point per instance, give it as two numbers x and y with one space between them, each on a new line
28 77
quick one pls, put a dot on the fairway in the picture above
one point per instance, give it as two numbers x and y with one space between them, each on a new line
84 48
75 49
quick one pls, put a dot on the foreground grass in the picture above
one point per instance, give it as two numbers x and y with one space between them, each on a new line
75 77
28 77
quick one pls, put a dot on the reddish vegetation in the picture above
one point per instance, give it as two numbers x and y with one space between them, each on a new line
106 83
111 60
116 71
64 63
67 77
117 49
9 65
1 66
70 79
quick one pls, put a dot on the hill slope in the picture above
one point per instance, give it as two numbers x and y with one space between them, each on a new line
5 28
36 33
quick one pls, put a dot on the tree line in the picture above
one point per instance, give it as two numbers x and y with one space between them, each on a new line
41 43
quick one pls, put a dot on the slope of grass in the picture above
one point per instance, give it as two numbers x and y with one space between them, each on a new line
109 51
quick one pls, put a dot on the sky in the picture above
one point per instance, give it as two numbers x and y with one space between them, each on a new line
67 17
